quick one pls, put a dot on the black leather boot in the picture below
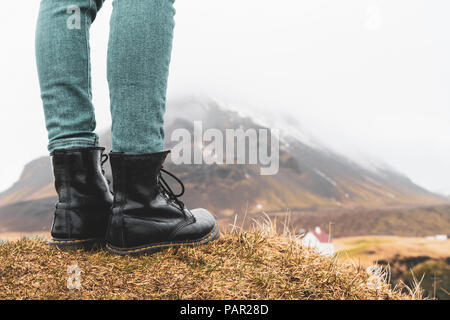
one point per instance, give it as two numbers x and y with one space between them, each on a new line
84 205
147 216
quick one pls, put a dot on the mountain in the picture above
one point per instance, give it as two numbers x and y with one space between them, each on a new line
311 177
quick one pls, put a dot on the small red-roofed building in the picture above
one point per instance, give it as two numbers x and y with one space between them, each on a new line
319 241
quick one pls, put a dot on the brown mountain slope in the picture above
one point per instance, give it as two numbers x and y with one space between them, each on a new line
310 178
35 182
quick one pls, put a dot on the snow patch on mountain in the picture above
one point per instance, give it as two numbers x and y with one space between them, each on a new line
323 175
290 129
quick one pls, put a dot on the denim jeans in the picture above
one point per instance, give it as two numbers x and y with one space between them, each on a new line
139 51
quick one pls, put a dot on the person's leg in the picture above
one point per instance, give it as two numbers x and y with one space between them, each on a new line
139 54
62 54
63 62
146 215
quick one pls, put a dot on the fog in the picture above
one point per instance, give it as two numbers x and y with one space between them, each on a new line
368 78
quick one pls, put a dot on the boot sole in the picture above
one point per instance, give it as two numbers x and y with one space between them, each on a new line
75 244
149 249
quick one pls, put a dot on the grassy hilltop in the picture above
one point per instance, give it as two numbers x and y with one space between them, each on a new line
258 264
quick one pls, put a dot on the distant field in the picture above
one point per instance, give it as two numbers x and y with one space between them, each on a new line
370 249
396 221
402 221
407 258
11 236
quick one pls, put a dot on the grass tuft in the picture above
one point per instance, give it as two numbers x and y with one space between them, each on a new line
257 264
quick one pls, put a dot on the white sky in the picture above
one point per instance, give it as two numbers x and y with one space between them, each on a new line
364 76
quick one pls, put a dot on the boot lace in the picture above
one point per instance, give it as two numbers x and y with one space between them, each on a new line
168 191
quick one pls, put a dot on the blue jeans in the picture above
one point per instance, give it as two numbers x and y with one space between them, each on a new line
140 45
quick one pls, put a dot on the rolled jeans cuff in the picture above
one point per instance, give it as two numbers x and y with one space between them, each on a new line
72 143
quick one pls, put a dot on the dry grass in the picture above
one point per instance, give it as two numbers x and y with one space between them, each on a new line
369 249
258 264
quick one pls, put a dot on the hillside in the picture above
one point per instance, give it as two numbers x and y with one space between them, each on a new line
311 178
253 265
406 221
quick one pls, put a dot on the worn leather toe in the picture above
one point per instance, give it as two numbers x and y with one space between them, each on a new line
204 227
